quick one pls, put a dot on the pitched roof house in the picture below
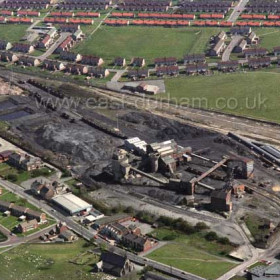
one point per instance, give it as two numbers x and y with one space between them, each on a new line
255 63
28 61
92 60
72 28
115 264
218 48
194 58
65 45
98 72
69 56
45 42
228 66
138 74
53 65
200 68
24 48
255 52
137 242
241 46
138 62
76 69
27 226
4 45
166 61
167 70
8 57
120 61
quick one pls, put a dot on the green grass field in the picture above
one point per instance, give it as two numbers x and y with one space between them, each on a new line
48 261
150 43
12 32
243 92
269 37
194 254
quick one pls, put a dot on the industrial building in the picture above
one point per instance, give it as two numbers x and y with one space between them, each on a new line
135 144
71 204
179 169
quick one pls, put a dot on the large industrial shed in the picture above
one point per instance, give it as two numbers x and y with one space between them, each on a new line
71 203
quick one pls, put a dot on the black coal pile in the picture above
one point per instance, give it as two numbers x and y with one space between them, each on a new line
83 145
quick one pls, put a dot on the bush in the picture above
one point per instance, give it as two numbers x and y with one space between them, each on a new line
211 236
40 172
224 240
201 226
129 210
12 177
169 237
66 173
178 224
146 217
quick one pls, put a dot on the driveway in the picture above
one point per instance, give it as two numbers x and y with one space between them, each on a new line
234 42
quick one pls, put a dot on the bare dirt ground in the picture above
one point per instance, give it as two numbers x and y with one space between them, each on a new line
9 89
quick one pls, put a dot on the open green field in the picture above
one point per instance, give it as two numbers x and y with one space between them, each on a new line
12 32
150 43
48 261
269 37
254 94
194 254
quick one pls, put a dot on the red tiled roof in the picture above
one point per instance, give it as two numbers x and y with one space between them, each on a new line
46 39
205 16
116 22
87 14
273 17
19 20
226 23
125 15
269 23
61 14
6 13
55 20
28 13
67 41
199 23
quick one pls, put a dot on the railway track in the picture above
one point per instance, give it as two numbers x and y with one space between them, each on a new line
219 122
262 192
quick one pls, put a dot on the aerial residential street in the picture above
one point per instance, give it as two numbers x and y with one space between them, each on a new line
238 9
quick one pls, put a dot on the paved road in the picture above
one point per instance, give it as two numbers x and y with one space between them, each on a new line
118 74
238 9
51 50
227 52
